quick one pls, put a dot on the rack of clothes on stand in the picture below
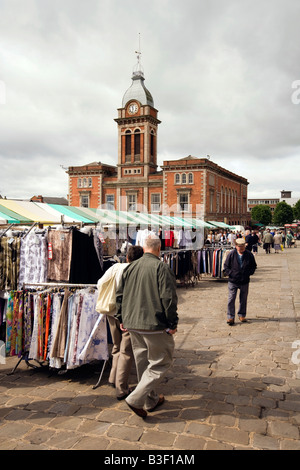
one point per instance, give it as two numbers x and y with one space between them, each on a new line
189 266
62 254
70 255
56 324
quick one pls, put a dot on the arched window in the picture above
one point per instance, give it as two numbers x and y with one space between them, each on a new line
222 199
183 178
177 178
152 144
128 143
190 178
137 144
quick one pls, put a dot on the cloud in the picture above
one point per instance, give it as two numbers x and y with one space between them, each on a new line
220 73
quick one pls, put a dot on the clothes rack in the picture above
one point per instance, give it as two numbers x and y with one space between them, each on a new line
94 333
58 284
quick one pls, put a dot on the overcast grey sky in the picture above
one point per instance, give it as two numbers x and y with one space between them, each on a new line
221 73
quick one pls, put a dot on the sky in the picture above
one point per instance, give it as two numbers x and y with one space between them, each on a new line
224 76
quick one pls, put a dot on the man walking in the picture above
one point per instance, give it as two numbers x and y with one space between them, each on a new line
239 266
147 308
122 354
268 241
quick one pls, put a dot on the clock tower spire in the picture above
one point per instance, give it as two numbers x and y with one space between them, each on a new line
137 129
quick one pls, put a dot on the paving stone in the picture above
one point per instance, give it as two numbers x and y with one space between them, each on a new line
189 443
216 445
265 442
125 432
289 445
283 429
39 436
199 429
232 435
161 439
258 426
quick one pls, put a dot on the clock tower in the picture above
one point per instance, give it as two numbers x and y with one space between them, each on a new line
137 130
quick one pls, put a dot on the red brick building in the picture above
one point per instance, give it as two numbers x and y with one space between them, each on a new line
196 186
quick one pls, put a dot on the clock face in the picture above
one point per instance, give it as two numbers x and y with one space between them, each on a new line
133 108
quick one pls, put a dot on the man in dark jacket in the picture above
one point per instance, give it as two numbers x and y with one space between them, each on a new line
239 266
147 308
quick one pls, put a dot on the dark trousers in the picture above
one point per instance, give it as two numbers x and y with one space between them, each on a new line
268 247
232 293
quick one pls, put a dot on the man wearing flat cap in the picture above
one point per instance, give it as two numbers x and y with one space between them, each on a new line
240 264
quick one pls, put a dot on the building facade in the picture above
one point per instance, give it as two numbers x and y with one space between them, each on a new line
193 187
285 196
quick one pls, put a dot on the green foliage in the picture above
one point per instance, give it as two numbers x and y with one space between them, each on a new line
283 214
296 209
262 214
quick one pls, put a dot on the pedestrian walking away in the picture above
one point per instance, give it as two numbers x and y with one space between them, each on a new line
277 241
268 240
240 264
122 354
289 239
147 308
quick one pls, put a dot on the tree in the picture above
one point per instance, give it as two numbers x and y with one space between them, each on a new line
297 210
283 214
262 214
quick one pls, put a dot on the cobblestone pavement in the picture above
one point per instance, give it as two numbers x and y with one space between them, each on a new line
230 387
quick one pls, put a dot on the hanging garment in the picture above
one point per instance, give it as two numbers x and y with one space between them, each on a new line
33 259
60 261
9 322
169 238
142 235
57 300
14 324
85 266
9 262
28 320
59 341
96 347
72 325
88 318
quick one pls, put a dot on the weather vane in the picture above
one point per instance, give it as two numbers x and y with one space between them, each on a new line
138 69
139 50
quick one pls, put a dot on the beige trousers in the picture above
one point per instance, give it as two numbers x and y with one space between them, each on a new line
153 354
122 357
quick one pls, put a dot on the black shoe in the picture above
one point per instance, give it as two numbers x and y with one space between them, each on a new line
138 411
161 400
230 322
122 397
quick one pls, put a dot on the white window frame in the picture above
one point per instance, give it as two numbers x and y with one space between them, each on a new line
110 204
84 197
131 202
183 193
155 206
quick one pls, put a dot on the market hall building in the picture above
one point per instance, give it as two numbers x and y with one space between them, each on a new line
190 186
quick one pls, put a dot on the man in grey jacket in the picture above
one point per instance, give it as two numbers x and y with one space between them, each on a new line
147 308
